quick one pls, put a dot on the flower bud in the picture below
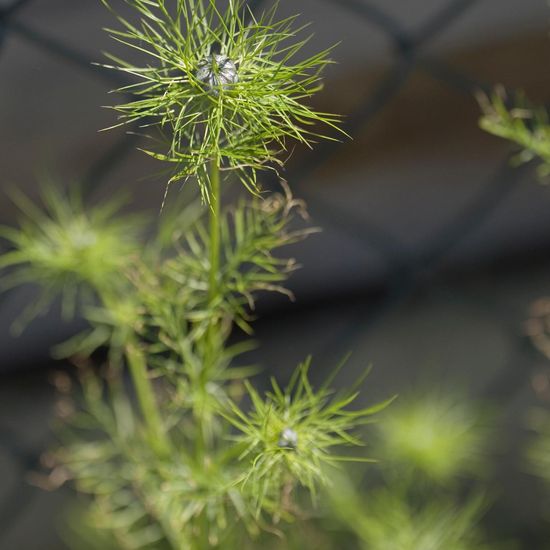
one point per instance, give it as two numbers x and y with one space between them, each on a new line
288 439
217 71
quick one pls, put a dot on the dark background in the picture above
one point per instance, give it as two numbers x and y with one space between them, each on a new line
433 246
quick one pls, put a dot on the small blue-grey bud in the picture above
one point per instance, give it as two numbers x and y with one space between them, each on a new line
217 71
288 439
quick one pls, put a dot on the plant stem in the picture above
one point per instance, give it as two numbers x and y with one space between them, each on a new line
214 229
210 340
214 274
146 397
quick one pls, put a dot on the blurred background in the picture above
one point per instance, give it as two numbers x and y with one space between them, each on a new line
433 245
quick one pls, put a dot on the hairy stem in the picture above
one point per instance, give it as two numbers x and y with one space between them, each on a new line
146 398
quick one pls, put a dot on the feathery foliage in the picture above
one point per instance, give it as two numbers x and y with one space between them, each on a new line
424 444
64 247
388 521
439 436
521 123
288 435
223 85
178 460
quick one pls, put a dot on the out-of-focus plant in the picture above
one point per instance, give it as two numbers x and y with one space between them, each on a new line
535 453
441 437
521 122
538 452
425 445
65 248
527 125
387 520
175 461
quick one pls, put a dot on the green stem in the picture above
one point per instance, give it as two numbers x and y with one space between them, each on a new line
146 398
214 274
137 365
210 340
214 230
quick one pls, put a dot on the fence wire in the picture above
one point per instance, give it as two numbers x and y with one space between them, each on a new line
407 268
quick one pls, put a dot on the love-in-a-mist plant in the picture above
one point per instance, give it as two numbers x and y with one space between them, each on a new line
189 455
526 125
519 121
428 445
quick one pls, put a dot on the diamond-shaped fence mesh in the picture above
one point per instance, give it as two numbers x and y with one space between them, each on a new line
406 267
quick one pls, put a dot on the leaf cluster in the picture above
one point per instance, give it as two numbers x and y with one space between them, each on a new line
64 248
519 122
439 437
161 463
140 501
388 521
243 125
426 444
289 435
159 305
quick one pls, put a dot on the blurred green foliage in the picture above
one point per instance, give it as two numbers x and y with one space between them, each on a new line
520 122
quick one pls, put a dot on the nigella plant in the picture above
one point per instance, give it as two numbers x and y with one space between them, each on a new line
520 122
190 455
226 88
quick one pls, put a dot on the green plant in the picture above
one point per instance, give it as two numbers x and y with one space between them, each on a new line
519 122
425 444
177 461
388 520
440 437
527 126
224 91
